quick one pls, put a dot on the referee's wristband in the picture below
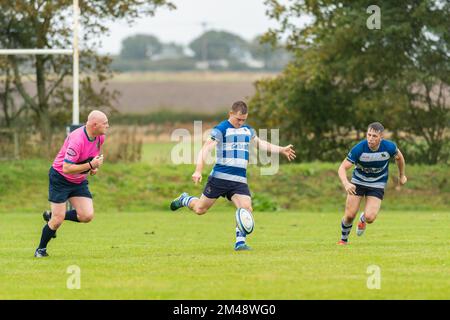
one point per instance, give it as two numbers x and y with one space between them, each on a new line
90 165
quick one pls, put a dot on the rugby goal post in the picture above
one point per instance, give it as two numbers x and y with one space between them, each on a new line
73 52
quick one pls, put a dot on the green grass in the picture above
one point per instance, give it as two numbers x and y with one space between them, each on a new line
132 187
157 153
164 255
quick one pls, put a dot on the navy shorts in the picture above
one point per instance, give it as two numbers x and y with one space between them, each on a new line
368 191
216 188
60 190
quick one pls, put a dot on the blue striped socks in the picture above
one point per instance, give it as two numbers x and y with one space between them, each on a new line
346 228
187 200
240 237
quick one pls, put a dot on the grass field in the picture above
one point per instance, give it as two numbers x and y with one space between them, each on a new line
147 186
165 255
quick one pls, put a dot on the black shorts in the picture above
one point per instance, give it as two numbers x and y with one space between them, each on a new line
60 190
368 191
216 188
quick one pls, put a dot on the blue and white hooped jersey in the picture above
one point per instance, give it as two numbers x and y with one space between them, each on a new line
232 151
371 167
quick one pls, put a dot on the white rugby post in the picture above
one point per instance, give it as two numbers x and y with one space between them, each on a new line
73 51
34 51
76 105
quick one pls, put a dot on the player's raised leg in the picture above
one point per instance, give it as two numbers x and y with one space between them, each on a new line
198 205
372 207
351 209
245 202
49 230
84 209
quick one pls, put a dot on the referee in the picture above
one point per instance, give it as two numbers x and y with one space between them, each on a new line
79 156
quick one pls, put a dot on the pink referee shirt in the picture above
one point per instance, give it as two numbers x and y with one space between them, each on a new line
77 149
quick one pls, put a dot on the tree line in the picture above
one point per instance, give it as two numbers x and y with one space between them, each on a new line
214 50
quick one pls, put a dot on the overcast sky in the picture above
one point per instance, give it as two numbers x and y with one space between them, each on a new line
246 18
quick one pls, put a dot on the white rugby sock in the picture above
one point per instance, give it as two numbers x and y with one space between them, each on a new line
186 201
362 218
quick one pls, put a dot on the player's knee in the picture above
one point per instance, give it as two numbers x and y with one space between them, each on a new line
369 217
349 216
200 210
86 217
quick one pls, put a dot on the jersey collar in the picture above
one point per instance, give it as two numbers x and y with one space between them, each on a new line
87 136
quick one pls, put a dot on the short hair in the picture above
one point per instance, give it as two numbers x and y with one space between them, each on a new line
239 106
376 126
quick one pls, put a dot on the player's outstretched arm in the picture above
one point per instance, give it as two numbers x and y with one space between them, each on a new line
288 151
400 161
350 188
206 149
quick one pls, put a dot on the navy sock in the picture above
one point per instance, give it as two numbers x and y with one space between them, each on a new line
47 234
346 228
72 216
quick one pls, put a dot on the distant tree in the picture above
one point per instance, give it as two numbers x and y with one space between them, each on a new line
47 24
6 92
174 47
140 47
217 45
169 51
274 57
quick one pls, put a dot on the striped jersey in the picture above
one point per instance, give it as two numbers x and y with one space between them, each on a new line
232 151
371 167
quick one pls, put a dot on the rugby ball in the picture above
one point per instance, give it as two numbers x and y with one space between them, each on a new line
244 220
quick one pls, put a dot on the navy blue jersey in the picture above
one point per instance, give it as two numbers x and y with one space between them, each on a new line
371 167
232 153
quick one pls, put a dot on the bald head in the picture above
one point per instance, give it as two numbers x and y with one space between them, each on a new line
97 122
96 116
